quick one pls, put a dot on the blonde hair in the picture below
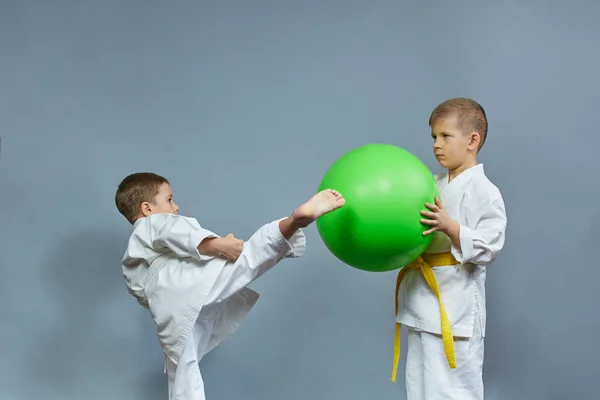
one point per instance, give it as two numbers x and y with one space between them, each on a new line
470 116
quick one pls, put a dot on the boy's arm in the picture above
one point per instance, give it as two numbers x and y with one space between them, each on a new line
182 235
454 234
480 241
228 247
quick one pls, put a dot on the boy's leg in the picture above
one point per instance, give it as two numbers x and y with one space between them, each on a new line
320 204
414 376
185 379
465 381
270 244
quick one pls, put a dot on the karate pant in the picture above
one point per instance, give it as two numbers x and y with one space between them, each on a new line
261 252
185 379
428 375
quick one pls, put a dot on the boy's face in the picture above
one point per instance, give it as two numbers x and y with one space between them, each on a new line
451 146
162 204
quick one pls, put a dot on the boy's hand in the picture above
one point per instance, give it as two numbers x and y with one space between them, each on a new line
439 219
228 247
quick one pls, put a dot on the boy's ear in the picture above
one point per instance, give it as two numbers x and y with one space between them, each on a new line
474 140
146 209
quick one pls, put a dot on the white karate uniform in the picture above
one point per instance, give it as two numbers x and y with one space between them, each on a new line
196 301
477 205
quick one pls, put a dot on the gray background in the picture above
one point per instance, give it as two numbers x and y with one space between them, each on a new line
244 105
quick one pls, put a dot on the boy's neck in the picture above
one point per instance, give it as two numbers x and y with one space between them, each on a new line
453 173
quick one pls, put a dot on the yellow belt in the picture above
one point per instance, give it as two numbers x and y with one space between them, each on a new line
424 263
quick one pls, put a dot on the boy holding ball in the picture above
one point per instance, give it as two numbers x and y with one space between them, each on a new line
440 297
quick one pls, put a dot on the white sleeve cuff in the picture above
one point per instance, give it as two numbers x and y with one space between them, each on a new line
196 238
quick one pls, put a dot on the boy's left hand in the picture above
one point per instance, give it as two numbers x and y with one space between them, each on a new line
439 219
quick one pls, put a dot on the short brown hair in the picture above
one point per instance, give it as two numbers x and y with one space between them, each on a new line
470 116
135 190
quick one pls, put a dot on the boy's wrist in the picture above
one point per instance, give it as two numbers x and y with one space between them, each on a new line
209 245
454 233
455 229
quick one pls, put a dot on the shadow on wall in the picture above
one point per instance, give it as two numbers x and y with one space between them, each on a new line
101 344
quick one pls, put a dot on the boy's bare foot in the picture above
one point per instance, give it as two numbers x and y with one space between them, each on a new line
320 204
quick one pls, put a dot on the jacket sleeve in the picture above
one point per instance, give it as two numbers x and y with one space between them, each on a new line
483 236
180 234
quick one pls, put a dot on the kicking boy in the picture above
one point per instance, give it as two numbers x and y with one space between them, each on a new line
441 296
193 281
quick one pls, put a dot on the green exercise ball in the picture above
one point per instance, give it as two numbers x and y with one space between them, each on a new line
379 228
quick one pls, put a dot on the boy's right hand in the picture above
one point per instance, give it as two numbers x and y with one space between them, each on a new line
228 247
